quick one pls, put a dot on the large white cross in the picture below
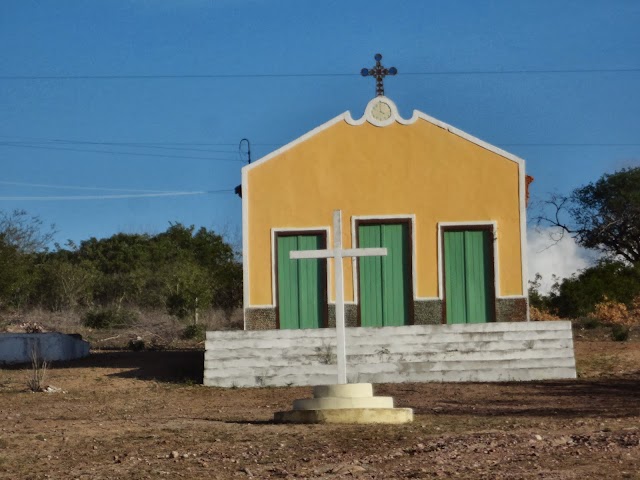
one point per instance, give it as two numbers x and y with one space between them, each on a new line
338 253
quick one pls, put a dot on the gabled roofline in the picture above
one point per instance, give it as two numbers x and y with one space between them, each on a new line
394 118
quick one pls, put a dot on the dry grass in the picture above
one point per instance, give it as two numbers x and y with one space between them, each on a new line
38 373
125 413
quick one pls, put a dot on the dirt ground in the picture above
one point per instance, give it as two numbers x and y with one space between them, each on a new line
142 415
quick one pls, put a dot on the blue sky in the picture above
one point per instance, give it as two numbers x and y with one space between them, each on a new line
207 117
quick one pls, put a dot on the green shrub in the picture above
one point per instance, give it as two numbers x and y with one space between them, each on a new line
110 318
194 332
620 333
589 323
180 306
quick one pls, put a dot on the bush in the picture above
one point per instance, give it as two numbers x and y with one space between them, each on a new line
137 344
589 323
541 314
618 314
194 332
612 313
620 333
110 318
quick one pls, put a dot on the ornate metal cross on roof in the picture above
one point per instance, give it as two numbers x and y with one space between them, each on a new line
379 72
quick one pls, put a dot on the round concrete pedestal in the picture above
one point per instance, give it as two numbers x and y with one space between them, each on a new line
350 403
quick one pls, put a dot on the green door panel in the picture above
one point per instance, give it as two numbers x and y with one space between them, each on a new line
385 282
478 282
468 276
395 274
312 280
301 283
370 278
287 283
455 285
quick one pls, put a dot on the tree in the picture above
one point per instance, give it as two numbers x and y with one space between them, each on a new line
604 215
16 276
177 269
227 290
537 299
25 232
65 284
188 289
607 280
121 253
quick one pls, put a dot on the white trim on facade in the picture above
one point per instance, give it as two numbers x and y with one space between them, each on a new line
275 231
395 117
407 216
244 185
524 266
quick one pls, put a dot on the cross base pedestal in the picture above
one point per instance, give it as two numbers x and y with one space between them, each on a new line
350 403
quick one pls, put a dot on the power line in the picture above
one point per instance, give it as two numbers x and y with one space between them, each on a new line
15 140
569 144
128 144
225 76
75 187
114 197
140 145
20 139
113 152
527 72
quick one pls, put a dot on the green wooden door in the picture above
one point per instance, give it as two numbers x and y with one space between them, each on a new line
468 275
385 282
301 283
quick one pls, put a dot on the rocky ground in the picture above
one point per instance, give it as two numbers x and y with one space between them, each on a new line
142 415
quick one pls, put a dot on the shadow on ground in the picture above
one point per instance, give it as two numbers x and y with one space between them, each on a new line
172 366
610 397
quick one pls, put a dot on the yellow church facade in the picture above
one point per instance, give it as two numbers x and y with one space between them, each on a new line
449 208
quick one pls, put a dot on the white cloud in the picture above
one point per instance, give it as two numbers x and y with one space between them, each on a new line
548 257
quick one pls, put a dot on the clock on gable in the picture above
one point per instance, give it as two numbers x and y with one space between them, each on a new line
381 111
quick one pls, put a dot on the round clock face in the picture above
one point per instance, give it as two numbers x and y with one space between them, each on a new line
381 111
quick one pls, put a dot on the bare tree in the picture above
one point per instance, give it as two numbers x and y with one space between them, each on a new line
25 232
603 215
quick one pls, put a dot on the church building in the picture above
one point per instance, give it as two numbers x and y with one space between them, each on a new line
448 207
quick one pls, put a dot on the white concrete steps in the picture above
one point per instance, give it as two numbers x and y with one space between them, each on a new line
484 375
337 402
452 355
402 368
351 403
371 335
473 352
422 347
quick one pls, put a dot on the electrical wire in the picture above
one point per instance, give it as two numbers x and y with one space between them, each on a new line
113 152
143 144
75 187
316 74
20 139
569 144
114 197
118 144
